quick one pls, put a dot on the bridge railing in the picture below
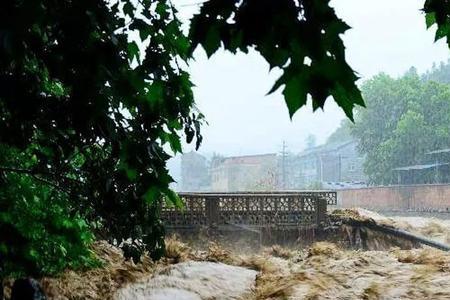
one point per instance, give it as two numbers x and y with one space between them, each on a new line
250 209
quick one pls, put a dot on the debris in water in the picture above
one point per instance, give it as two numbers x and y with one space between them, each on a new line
323 248
278 251
176 250
372 231
216 253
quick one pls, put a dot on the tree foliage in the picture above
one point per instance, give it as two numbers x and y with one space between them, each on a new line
40 233
93 109
439 73
437 12
405 118
302 38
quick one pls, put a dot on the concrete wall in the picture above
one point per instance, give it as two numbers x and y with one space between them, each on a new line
434 197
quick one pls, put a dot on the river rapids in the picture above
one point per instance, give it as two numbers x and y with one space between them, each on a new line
323 270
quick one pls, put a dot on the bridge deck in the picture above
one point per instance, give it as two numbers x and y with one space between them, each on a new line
250 209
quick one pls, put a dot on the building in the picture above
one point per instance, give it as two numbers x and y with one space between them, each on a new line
434 169
244 173
329 165
194 172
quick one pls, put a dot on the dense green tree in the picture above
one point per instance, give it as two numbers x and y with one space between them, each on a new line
439 73
93 109
40 233
405 118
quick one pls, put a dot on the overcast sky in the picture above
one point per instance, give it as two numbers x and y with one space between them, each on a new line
386 36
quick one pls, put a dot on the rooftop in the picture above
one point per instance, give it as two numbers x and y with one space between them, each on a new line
420 167
439 151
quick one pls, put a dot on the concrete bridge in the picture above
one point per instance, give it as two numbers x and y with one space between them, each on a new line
282 209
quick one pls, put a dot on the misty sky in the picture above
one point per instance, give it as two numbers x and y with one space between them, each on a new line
386 36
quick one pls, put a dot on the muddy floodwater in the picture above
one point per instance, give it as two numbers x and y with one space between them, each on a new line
194 280
323 270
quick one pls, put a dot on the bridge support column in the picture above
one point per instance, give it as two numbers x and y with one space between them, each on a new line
321 210
212 211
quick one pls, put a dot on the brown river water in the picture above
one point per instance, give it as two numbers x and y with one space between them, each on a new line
323 270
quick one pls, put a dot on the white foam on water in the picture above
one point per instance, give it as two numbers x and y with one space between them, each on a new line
193 280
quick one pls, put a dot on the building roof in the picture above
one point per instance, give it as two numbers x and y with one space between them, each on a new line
420 167
439 151
325 148
248 159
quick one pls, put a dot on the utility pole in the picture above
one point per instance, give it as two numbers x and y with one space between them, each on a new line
340 167
283 165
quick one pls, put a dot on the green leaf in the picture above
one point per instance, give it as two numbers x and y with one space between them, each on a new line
212 41
346 102
133 51
131 173
442 31
144 29
155 92
236 41
3 249
295 92
173 199
128 9
182 45
175 144
152 195
430 19
63 250
161 8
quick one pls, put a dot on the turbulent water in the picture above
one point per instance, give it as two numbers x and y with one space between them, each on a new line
323 271
432 228
194 280
329 273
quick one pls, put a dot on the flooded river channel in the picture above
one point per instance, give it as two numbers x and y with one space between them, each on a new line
322 270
